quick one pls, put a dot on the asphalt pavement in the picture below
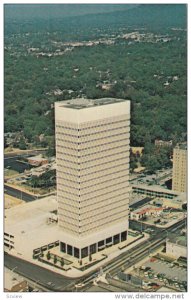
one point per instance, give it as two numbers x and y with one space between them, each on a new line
137 225
42 276
18 194
57 282
140 203
26 153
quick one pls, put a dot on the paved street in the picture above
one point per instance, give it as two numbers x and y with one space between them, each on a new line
20 153
42 276
18 194
140 203
135 225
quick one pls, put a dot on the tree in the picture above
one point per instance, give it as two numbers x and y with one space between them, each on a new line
150 162
133 163
22 144
48 256
62 262
55 259
5 142
51 146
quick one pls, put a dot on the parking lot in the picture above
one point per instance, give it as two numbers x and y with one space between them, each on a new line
162 272
170 270
158 178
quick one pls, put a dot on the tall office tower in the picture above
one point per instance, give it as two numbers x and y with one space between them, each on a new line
92 151
179 176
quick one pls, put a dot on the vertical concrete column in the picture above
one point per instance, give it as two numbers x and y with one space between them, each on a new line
80 254
96 247
120 237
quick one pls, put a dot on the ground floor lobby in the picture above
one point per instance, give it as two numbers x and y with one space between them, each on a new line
93 248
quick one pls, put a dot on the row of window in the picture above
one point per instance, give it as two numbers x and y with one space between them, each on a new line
101 225
92 140
158 194
105 145
114 202
97 193
98 210
93 151
92 226
93 175
93 248
104 128
104 198
94 124
70 166
82 210
88 158
97 183
104 213
90 189
85 134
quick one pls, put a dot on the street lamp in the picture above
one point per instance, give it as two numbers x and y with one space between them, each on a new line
12 270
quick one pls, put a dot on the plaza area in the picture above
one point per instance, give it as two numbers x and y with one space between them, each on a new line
32 233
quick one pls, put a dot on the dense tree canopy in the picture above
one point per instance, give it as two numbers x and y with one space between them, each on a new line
43 65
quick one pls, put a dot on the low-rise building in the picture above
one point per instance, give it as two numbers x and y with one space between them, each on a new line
177 246
161 143
138 151
13 282
147 210
37 161
169 198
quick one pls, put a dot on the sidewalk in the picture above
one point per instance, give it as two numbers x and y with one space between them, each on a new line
109 253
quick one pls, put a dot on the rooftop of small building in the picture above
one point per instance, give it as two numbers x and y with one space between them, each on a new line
11 278
37 158
179 240
156 188
147 208
81 103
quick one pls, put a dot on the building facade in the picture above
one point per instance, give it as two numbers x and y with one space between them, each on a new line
92 152
179 179
177 247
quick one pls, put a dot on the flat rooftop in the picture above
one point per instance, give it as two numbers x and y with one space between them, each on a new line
147 208
81 103
179 240
155 188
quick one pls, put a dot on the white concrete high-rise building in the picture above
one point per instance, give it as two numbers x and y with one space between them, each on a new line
92 152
